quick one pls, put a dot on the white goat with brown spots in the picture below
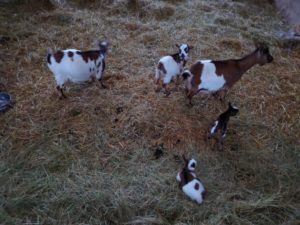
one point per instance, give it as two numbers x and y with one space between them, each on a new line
76 65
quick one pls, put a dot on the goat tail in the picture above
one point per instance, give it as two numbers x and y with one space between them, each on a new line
49 51
49 54
186 74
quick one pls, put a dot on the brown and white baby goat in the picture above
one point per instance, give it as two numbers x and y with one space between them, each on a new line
188 182
217 77
219 127
170 67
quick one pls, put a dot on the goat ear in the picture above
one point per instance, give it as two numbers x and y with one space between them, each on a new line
103 46
260 45
191 46
229 105
177 45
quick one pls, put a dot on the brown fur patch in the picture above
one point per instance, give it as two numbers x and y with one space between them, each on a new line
58 56
176 57
89 55
230 70
233 69
185 177
197 186
161 67
196 70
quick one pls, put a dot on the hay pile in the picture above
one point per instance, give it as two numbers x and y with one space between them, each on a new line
89 158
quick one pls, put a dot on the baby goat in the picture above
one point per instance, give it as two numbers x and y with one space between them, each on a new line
219 127
170 67
188 182
77 66
218 76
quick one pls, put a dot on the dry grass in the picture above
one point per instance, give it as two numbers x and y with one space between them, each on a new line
89 159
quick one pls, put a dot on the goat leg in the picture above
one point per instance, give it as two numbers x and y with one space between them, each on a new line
101 83
60 90
167 92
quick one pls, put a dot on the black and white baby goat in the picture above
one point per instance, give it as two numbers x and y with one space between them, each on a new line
219 127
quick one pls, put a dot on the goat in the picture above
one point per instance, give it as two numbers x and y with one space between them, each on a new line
219 127
77 66
188 182
218 76
171 66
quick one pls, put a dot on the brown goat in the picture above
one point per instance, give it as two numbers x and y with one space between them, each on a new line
218 76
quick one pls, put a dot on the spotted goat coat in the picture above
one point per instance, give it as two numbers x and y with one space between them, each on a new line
76 65
188 182
171 66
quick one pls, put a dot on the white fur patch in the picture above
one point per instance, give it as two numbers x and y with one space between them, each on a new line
190 191
172 69
210 81
212 130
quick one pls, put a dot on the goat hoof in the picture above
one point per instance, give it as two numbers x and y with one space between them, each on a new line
62 97
167 93
103 85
